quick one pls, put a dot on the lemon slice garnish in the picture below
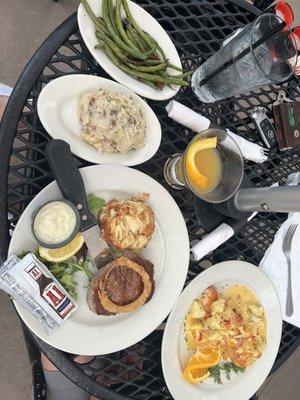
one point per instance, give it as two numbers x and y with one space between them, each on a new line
62 253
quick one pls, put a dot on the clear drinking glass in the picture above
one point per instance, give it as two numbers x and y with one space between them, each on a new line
273 61
223 166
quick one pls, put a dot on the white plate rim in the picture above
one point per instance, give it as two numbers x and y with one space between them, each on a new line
211 276
135 157
162 38
173 286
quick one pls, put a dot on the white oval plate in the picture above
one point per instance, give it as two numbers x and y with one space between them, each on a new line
58 111
148 24
175 355
90 334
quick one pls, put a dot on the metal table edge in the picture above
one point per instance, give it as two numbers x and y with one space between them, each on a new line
8 127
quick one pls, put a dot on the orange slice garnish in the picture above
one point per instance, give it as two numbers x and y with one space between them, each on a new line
206 357
194 374
192 171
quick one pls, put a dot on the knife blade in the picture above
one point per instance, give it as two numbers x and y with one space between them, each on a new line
71 185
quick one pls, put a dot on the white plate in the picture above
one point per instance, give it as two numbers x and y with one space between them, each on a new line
86 332
148 24
175 355
58 111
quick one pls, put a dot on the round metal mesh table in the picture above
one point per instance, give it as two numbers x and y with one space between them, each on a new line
197 28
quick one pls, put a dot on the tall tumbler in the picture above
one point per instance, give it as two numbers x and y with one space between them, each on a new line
263 52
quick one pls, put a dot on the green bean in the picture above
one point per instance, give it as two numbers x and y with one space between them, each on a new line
142 43
122 57
146 62
132 38
154 42
132 51
118 54
92 15
119 26
137 38
111 12
116 50
141 75
101 24
173 66
184 75
136 26
143 68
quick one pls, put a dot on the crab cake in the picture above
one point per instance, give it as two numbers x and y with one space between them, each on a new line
127 224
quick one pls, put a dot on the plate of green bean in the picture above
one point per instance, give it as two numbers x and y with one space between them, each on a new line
132 47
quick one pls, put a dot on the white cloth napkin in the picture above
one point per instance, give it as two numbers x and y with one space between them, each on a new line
274 264
197 122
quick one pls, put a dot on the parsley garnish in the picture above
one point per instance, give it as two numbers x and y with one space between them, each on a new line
215 372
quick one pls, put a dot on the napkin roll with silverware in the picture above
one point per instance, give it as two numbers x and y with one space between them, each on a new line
281 260
198 123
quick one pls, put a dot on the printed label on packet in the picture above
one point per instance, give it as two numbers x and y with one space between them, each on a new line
20 295
50 290
33 284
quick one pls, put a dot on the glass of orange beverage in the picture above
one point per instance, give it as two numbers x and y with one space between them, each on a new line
212 166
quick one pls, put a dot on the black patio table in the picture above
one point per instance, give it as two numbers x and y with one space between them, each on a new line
197 28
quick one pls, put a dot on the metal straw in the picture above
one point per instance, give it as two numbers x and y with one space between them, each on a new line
265 37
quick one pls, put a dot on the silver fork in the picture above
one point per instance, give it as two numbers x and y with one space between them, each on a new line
286 247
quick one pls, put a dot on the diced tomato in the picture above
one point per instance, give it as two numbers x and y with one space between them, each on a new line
238 318
227 323
198 336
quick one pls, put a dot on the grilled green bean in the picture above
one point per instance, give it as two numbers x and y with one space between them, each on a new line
146 62
116 50
123 58
101 24
136 26
91 14
157 46
137 38
132 51
111 13
132 38
143 68
143 44
141 75
184 75
170 65
120 28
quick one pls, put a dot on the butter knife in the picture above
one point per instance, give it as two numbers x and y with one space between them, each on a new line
71 185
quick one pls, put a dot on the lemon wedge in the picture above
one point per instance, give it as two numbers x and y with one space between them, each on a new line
62 253
192 171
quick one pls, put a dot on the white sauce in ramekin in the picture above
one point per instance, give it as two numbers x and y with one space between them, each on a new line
54 222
